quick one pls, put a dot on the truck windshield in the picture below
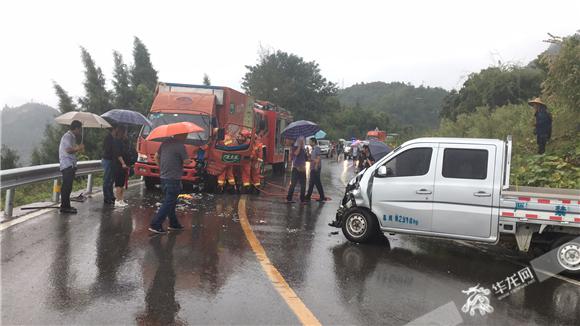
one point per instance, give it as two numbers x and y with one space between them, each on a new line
160 118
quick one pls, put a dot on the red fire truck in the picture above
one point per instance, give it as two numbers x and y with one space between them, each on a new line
271 120
219 111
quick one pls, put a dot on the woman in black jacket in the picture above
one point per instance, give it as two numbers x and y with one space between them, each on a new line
119 163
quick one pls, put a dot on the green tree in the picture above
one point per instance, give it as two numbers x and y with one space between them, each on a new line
10 158
143 76
206 80
65 102
47 151
123 97
494 87
286 79
97 98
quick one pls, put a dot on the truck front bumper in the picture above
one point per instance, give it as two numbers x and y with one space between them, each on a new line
148 170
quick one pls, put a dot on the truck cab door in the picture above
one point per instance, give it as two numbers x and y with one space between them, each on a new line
464 192
402 195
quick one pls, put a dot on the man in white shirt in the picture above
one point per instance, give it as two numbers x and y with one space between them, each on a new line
68 164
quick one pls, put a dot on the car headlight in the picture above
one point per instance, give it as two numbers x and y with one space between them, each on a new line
142 158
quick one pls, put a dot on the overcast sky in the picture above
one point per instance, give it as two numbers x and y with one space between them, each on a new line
434 43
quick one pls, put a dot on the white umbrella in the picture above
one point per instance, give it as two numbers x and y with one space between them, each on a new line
88 120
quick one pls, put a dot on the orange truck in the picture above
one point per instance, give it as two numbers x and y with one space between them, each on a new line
220 111
377 134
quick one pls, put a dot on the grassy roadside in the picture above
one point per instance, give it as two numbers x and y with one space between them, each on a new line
42 191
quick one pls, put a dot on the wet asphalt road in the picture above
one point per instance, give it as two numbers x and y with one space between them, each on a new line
103 267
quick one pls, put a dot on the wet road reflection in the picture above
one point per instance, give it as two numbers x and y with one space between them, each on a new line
160 302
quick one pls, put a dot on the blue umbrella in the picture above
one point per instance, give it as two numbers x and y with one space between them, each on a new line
127 117
378 149
320 134
299 128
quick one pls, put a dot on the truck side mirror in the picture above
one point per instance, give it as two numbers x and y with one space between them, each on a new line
382 171
221 134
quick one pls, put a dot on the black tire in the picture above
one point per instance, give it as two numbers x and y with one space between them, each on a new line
210 184
278 168
566 252
360 226
151 183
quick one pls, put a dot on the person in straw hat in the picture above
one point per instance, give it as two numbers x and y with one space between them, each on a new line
543 125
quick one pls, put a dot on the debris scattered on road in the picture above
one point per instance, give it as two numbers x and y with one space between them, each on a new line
261 222
334 232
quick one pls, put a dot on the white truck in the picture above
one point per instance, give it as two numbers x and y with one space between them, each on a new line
457 188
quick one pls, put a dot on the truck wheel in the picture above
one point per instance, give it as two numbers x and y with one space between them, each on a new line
278 168
150 183
359 226
210 184
567 251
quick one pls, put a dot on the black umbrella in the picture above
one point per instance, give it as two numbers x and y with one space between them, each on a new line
378 149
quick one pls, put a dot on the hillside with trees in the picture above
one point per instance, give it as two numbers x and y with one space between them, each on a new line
411 109
23 128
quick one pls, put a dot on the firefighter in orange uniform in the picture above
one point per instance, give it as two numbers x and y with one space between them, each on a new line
228 172
256 164
245 167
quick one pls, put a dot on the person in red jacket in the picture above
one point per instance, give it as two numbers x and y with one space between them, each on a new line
228 173
245 165
256 162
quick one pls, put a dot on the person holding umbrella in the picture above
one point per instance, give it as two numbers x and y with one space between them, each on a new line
67 150
120 154
367 158
315 168
298 170
170 158
116 117
298 130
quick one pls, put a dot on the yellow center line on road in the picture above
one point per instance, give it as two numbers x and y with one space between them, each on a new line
304 314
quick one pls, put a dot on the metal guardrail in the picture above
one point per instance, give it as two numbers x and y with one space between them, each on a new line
12 178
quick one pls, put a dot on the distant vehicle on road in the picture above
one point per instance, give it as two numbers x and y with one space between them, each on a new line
324 147
347 149
458 188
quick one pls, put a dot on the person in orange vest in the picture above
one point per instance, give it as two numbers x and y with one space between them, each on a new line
246 167
228 172
257 159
